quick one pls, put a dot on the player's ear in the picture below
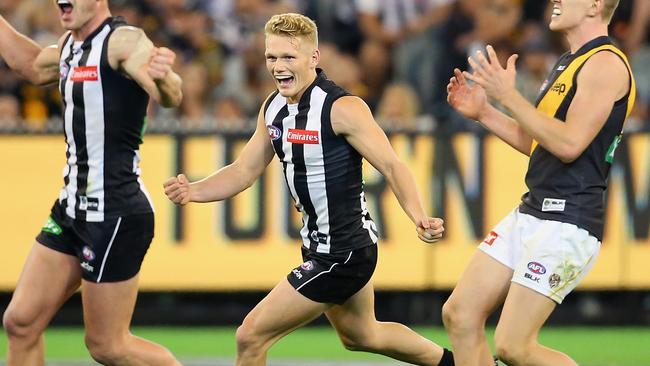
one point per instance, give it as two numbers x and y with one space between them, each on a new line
315 57
596 8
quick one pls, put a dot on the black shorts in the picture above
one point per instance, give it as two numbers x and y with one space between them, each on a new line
333 278
108 251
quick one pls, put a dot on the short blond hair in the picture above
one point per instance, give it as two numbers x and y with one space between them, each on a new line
292 25
608 9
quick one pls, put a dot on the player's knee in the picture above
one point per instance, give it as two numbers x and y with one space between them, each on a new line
103 350
357 345
360 341
247 338
510 351
18 325
457 317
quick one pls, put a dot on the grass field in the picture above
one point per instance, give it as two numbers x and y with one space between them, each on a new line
320 346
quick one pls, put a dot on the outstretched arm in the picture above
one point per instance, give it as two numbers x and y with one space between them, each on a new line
229 180
352 118
471 102
594 99
132 52
38 65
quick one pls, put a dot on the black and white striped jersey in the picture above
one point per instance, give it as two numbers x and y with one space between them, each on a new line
322 170
104 116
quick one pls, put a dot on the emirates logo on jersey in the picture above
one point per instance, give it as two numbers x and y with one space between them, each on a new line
303 137
84 73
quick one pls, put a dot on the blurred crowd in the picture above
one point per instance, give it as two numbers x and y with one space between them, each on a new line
398 55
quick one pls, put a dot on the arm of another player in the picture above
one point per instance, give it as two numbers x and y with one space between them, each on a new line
471 102
595 96
38 65
229 180
352 119
131 51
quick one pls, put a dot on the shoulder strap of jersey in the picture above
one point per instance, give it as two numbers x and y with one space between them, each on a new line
551 101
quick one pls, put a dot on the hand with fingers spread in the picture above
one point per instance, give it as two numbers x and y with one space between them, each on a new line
177 189
430 229
489 74
160 62
468 100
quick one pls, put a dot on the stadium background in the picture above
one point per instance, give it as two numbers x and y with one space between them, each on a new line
209 264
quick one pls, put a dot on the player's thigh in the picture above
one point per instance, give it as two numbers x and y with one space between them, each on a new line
48 279
334 277
355 318
523 315
482 287
108 306
111 257
113 250
556 256
281 311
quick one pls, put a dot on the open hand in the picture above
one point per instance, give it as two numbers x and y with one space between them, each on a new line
491 76
468 100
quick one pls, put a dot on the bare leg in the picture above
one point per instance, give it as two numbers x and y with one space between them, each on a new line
523 315
480 290
283 310
359 330
108 308
48 279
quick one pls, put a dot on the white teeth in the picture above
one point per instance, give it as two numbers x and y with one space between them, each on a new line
557 11
64 2
283 77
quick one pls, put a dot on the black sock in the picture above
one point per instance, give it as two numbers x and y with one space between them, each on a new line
447 358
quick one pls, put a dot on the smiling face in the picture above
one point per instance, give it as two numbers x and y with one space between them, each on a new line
291 61
568 14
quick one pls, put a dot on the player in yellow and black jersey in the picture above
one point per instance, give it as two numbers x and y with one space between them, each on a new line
539 253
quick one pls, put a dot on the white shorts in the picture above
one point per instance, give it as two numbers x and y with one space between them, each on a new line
550 257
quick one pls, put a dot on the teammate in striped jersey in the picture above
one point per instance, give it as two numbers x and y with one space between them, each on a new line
102 224
320 134
540 252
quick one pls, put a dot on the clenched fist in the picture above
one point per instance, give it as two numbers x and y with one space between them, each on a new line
177 189
160 62
430 229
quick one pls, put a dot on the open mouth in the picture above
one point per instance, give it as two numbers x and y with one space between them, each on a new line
284 80
556 11
65 6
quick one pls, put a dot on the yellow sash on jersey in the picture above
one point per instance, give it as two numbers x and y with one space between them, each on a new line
557 92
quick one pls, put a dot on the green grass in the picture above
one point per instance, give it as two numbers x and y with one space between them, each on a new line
589 346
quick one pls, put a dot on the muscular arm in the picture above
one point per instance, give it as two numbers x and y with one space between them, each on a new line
133 53
596 94
231 179
38 65
506 128
352 119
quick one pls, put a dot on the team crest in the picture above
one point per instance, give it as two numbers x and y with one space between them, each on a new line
63 70
554 280
307 266
274 132
88 253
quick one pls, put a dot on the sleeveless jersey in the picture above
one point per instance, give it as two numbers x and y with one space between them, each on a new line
574 192
322 170
104 118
